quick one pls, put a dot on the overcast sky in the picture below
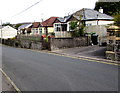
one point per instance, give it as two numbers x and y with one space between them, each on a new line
10 9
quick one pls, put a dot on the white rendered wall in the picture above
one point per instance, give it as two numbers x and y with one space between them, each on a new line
8 32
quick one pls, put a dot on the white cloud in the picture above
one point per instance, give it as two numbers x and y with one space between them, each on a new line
45 9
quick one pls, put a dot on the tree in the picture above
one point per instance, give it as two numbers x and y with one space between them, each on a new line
73 27
108 7
5 24
77 28
117 19
17 25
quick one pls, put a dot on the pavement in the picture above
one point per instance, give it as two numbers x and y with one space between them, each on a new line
6 85
94 52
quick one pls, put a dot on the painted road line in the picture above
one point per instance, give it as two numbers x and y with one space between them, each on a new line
11 82
93 60
74 57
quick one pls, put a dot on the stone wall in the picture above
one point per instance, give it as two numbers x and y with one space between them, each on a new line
113 51
60 43
51 44
23 44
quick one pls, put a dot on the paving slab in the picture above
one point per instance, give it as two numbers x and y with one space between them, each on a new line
6 85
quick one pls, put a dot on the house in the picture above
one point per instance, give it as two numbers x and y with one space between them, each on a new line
87 16
37 29
25 28
48 25
92 17
7 32
95 21
61 28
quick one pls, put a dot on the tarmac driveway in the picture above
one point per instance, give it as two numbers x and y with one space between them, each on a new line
87 51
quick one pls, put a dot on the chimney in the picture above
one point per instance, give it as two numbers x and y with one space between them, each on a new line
101 10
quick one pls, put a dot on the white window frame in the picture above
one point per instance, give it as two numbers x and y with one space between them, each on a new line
59 25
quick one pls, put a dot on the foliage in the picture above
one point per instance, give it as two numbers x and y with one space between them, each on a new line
73 25
77 28
5 24
117 19
108 7
17 25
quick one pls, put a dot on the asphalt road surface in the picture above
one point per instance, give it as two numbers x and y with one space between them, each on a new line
35 71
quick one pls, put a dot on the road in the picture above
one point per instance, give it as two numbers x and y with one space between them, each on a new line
37 71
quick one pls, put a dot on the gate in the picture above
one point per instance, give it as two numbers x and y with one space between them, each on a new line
94 39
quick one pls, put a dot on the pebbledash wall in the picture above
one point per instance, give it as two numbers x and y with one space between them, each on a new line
52 44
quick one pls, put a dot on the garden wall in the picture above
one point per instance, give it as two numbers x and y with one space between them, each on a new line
23 44
51 44
60 43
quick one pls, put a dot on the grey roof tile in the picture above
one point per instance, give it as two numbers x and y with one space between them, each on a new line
61 19
24 26
89 14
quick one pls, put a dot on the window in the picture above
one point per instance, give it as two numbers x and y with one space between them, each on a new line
40 30
36 31
57 27
90 24
33 31
64 27
60 27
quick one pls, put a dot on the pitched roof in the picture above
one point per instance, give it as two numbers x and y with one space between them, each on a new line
2 27
36 24
66 18
89 14
24 26
61 19
49 22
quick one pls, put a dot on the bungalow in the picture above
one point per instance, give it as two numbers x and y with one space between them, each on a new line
37 29
25 28
7 32
95 21
93 17
87 16
61 28
48 25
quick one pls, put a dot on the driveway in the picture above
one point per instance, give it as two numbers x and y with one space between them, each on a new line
87 51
